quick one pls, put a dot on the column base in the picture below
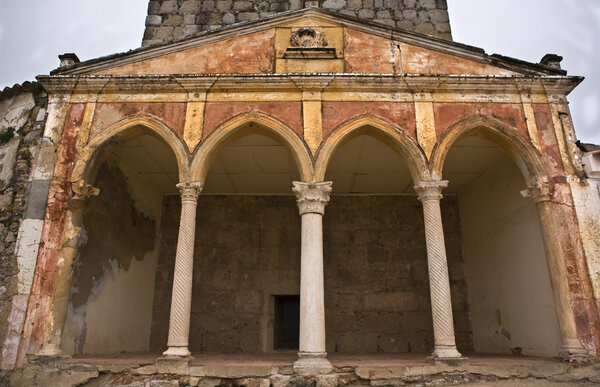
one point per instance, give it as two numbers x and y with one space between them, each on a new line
48 354
177 351
312 363
50 350
575 354
173 364
447 354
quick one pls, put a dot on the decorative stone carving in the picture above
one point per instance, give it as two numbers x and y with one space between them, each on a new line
308 37
540 192
430 190
82 190
312 197
189 191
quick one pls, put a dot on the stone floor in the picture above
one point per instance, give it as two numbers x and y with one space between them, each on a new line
275 369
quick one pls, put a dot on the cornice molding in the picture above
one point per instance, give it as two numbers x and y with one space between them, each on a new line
554 86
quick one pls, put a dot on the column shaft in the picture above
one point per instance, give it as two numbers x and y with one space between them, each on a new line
312 301
181 299
439 282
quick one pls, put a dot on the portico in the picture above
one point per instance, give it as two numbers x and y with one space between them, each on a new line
385 206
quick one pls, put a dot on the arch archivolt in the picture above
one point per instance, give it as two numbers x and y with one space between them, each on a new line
519 149
85 157
527 158
242 125
390 134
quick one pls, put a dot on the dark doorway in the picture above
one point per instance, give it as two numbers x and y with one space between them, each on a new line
287 322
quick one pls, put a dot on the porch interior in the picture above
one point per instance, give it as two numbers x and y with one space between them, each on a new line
247 254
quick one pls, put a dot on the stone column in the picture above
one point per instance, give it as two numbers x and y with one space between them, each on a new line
430 193
181 299
312 199
541 193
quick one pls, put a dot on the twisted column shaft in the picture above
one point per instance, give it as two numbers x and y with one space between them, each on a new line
439 283
541 193
312 199
181 299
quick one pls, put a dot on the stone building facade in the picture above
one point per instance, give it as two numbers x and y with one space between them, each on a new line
314 186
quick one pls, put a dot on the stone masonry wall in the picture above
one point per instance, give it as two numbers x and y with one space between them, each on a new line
247 250
22 119
175 19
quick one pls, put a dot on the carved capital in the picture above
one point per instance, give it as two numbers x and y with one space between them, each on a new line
312 197
190 191
82 190
430 190
540 192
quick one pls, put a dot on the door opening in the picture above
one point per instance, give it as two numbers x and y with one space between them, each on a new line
287 322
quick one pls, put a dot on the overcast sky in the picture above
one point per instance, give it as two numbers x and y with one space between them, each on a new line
34 32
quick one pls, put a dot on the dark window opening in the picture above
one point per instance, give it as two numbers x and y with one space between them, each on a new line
287 322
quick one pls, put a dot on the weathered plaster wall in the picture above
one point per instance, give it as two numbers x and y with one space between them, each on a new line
264 52
254 53
586 197
248 249
365 53
448 114
586 201
508 281
398 113
170 19
111 296
24 159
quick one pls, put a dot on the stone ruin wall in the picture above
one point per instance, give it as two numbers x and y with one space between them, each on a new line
22 119
175 19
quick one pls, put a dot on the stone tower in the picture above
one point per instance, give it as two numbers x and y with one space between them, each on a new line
174 19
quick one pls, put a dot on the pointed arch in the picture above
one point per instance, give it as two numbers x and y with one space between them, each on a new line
522 152
81 168
393 136
242 125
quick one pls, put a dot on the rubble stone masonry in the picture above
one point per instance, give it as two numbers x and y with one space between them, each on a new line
22 198
175 19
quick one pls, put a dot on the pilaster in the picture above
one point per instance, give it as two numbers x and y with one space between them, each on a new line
311 110
80 192
541 193
425 122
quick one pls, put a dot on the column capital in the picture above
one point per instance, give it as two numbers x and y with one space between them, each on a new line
190 191
540 192
312 197
82 190
430 189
